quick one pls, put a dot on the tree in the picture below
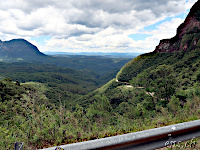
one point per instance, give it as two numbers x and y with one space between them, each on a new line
198 76
164 81
160 80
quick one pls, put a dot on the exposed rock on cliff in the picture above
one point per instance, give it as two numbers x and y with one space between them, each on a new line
188 34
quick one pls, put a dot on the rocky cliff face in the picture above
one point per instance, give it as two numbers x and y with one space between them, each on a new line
188 34
18 48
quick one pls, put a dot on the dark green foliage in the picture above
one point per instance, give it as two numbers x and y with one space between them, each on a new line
28 112
162 89
196 10
49 105
190 40
9 90
198 77
162 84
181 61
161 80
97 64
67 82
193 30
70 83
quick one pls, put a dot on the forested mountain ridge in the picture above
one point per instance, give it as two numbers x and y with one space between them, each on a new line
19 48
152 90
161 85
187 39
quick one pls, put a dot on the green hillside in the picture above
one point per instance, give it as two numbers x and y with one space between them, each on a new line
28 114
166 75
67 82
178 60
191 39
45 105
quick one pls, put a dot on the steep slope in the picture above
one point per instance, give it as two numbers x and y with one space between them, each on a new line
158 88
188 34
170 95
186 39
162 73
19 48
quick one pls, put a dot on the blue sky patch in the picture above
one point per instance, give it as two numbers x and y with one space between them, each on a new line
41 39
154 26
139 36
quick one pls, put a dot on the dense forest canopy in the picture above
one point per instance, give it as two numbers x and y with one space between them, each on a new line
55 111
51 104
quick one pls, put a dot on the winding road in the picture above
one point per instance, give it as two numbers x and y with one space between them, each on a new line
130 86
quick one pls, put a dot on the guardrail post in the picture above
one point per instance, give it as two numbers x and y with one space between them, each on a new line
19 146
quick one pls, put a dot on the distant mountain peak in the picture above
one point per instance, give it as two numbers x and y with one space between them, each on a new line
188 34
18 48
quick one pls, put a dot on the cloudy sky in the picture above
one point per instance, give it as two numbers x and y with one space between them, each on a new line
92 25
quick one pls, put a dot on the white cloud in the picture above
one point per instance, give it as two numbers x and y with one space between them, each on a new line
89 25
164 31
190 3
167 29
112 40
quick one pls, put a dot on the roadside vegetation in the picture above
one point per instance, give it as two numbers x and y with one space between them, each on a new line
28 112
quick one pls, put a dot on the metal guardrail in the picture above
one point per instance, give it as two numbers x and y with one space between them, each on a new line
142 140
19 146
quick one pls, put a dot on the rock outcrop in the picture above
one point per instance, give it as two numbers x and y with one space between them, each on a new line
188 34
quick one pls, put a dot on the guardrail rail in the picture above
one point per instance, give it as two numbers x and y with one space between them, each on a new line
142 140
